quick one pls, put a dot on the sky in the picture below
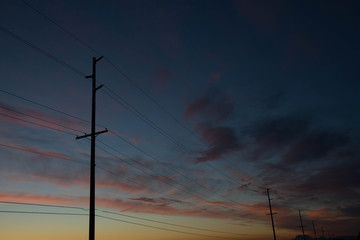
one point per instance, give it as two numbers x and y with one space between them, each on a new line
208 104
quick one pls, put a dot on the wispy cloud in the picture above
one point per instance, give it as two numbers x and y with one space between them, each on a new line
213 106
221 141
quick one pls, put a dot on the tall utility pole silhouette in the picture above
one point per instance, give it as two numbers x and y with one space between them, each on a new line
271 213
302 227
93 134
314 229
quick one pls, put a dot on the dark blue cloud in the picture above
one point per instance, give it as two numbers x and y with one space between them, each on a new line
220 140
213 106
315 146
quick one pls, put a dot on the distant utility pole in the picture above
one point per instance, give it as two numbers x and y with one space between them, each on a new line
302 226
93 134
314 229
271 213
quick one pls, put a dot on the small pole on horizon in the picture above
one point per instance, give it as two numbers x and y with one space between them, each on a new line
314 229
271 213
302 226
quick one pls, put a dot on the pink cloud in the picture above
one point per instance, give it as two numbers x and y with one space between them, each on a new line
31 117
212 106
45 199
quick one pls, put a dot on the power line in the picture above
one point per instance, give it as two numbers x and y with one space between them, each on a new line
41 153
62 206
111 212
57 60
44 213
142 117
45 106
42 205
47 54
37 124
166 223
171 168
168 178
137 87
155 177
59 26
161 228
41 119
82 74
108 146
109 218
151 123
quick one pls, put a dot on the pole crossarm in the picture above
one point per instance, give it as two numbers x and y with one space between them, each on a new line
89 135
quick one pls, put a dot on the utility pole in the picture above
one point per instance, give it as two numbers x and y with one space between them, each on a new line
323 232
271 213
93 134
314 229
302 227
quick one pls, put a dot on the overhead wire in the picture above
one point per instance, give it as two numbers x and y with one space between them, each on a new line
46 106
167 223
153 176
170 180
42 153
41 205
115 213
202 198
165 165
37 124
42 51
41 119
62 206
110 218
76 71
43 213
162 228
81 74
171 168
151 123
137 86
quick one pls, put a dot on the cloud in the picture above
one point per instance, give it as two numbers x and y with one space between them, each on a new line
159 201
213 106
221 141
33 198
30 117
336 181
315 145
278 132
144 199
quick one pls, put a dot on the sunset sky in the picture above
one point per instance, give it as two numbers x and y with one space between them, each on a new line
208 103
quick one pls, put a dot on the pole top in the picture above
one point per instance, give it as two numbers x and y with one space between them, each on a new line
96 60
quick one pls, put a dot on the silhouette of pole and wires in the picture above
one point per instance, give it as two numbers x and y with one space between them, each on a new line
314 229
93 134
271 213
302 226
